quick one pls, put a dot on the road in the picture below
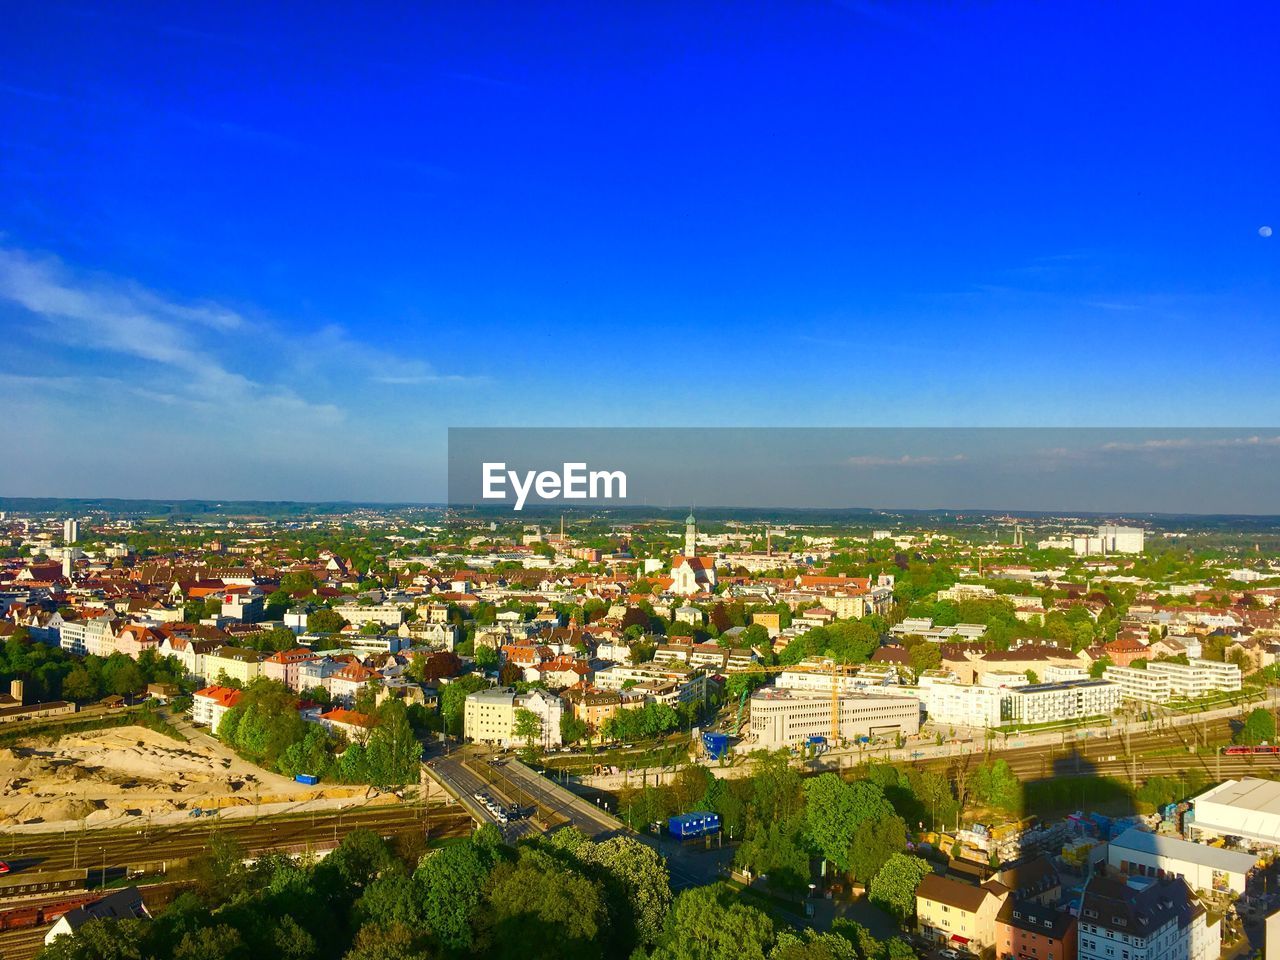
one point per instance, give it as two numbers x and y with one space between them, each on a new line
456 773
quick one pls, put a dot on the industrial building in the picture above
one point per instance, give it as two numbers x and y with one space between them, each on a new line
785 718
1138 853
1248 808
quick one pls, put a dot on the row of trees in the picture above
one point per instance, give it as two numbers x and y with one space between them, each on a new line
50 673
265 727
563 897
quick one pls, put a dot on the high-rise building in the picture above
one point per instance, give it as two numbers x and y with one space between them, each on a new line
70 530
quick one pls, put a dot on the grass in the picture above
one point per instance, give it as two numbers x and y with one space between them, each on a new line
1012 728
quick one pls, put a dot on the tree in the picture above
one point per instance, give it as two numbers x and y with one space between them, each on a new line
393 942
1259 727
874 843
835 811
99 940
572 729
452 883
710 923
527 727
812 946
79 686
995 785
486 657
636 881
393 749
925 656
894 887
453 700
539 908
325 621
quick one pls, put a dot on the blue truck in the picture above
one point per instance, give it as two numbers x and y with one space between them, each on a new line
310 779
688 826
716 744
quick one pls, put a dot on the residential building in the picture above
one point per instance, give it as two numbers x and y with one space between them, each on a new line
1146 920
284 665
1197 678
787 718
1035 931
593 707
1138 684
238 663
489 716
957 914
210 704
125 904
961 705
347 681
1057 702
383 614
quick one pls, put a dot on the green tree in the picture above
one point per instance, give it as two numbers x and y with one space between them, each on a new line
1258 727
711 923
835 811
995 785
452 882
894 887
874 843
527 727
325 621
453 700
539 908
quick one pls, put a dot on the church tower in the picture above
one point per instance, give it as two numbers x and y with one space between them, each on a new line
690 536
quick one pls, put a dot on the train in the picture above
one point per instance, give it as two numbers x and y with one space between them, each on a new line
1265 750
41 883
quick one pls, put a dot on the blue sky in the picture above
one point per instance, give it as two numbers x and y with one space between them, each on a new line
252 252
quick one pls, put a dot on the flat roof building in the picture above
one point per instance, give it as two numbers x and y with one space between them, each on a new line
1248 808
1138 853
785 718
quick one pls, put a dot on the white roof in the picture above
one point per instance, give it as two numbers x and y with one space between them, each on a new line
1172 848
1242 808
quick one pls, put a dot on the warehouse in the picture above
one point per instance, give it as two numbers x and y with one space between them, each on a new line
1248 808
1138 853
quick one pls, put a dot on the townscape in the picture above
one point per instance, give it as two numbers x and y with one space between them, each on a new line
365 732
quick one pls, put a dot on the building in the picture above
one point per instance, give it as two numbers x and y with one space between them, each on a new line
1035 931
1197 678
1145 919
1109 539
593 707
957 914
1059 702
1138 684
124 904
787 718
238 663
283 666
1137 853
347 681
669 682
353 725
210 704
1248 808
692 575
70 530
961 705
490 716
383 614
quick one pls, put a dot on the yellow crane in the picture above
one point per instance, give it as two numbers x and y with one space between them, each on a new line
837 671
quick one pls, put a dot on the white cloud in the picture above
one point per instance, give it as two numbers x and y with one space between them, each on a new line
904 461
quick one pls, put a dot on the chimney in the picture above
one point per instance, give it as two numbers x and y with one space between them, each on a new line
15 690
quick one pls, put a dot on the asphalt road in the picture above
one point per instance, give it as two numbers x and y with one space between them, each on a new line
452 773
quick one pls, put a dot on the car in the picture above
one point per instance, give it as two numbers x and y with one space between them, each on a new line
4 867
952 954
479 796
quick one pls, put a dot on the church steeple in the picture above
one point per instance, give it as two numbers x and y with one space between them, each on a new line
690 535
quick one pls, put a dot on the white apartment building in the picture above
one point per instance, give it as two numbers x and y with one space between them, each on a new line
1145 920
1137 684
966 591
1056 702
947 701
384 614
786 718
670 682
489 716
1063 674
1198 678
816 678
1110 539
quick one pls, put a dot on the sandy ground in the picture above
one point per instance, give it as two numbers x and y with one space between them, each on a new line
107 777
